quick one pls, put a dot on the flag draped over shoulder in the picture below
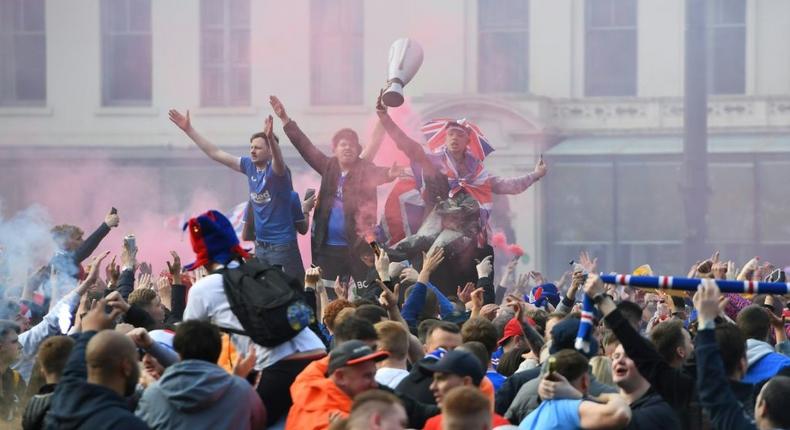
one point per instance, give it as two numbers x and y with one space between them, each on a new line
405 208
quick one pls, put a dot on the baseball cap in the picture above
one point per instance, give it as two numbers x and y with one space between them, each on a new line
512 328
351 353
459 363
563 336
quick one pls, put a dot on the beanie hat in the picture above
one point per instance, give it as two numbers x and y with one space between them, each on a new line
213 239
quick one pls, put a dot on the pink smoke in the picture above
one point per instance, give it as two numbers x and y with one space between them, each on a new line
498 240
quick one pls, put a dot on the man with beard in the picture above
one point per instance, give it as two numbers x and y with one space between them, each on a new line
101 371
345 213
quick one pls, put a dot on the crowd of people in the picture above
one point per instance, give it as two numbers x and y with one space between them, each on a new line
412 333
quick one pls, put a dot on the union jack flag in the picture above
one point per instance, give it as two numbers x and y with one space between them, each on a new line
435 132
404 211
477 183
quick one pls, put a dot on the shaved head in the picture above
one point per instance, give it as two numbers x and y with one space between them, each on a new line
111 358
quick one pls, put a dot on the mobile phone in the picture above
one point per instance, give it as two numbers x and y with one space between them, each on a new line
376 248
310 192
113 210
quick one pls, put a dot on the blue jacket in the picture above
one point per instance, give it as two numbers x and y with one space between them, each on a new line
763 361
195 394
715 394
77 404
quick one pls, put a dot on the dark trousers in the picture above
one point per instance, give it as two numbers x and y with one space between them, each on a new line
275 387
337 261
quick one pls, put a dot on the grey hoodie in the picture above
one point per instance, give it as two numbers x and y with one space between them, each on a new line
196 394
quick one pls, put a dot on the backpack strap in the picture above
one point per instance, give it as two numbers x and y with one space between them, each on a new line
230 330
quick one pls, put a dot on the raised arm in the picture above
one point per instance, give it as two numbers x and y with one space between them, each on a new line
672 384
372 148
519 184
312 155
213 152
409 146
92 242
715 394
278 164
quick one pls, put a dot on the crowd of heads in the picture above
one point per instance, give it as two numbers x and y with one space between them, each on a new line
465 361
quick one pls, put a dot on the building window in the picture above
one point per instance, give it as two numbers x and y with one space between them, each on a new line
126 52
610 48
225 52
23 60
336 52
503 46
727 66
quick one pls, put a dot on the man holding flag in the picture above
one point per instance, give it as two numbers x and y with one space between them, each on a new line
456 187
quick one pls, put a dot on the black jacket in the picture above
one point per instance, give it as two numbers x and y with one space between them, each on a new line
77 404
417 383
37 408
651 412
359 192
726 410
678 387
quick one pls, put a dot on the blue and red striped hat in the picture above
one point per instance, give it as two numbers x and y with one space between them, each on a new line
213 239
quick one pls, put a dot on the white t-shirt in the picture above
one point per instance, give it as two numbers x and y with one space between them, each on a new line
207 301
390 377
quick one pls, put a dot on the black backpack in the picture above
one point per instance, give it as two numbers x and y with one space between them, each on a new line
269 304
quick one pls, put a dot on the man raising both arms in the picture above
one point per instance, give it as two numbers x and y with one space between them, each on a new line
270 186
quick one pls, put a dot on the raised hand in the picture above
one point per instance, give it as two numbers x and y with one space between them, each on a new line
312 276
485 267
383 266
465 294
430 263
341 288
706 301
720 270
594 285
183 122
489 311
540 168
143 281
175 267
279 109
381 108
97 320
112 272
538 277
389 298
477 301
590 265
267 127
145 268
115 300
112 220
93 273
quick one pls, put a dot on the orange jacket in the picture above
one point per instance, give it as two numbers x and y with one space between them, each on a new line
316 398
